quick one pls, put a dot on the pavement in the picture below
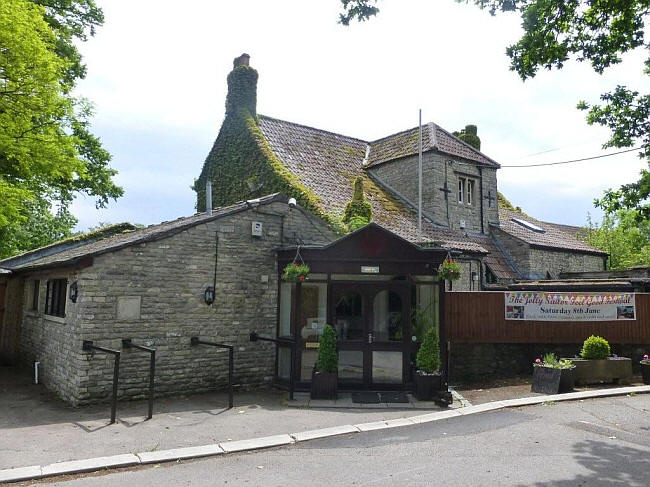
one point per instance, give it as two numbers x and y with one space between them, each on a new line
43 437
589 443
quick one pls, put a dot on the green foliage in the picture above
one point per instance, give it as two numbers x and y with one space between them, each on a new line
295 272
623 237
595 348
359 10
428 356
241 155
421 321
242 90
599 32
47 154
328 357
358 212
449 270
469 135
551 361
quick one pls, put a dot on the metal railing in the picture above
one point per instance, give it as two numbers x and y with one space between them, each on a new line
194 341
88 347
128 343
285 342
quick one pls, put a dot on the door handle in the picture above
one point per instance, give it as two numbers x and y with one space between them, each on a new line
369 337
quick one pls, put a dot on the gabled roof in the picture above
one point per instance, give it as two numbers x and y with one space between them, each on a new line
328 164
551 236
406 143
70 256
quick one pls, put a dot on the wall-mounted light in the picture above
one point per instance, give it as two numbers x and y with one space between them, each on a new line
208 295
73 292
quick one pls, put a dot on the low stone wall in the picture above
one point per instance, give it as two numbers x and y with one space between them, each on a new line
474 362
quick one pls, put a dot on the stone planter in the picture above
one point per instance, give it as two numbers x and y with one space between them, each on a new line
324 384
427 386
612 369
547 380
645 373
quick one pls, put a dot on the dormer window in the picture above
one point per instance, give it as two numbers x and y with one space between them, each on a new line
466 191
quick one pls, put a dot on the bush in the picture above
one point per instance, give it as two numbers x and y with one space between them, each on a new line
328 357
428 357
595 348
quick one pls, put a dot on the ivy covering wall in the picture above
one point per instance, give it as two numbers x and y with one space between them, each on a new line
241 164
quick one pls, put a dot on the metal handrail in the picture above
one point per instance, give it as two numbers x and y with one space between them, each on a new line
128 343
89 346
196 341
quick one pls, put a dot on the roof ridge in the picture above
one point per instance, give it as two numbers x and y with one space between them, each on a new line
312 128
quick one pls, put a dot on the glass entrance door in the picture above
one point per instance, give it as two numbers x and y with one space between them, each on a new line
371 321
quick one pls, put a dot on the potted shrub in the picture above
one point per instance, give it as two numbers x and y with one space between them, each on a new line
324 377
428 379
645 369
449 270
295 272
595 364
551 375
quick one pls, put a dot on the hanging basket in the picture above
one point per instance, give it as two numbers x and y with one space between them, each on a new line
296 270
449 270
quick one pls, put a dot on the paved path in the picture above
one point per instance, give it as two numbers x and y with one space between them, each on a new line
36 428
597 442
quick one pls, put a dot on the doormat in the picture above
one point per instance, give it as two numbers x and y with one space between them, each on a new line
365 397
397 396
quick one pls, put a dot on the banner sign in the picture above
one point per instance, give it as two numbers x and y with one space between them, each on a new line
541 306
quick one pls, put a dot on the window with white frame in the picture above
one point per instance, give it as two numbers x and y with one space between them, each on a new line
466 191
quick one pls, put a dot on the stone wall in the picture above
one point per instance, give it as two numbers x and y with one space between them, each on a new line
153 293
477 362
558 262
534 263
50 340
401 176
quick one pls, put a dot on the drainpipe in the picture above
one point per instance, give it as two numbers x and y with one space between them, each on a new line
36 367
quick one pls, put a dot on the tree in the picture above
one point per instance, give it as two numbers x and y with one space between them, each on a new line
626 241
595 31
47 153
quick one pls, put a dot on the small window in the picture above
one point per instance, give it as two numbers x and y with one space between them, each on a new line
55 297
461 189
470 191
36 287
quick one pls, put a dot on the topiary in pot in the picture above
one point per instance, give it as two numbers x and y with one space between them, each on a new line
324 377
597 366
427 362
595 348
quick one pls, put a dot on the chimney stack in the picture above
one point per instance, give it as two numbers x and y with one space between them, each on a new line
242 88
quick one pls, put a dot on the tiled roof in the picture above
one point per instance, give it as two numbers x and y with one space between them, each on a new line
552 235
406 143
116 242
329 163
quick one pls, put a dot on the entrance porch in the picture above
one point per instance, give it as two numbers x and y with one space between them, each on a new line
379 292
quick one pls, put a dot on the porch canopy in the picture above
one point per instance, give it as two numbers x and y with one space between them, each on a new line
369 285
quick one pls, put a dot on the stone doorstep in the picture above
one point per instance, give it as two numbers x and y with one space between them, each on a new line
79 466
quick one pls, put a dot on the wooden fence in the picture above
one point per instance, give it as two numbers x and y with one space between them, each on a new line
479 317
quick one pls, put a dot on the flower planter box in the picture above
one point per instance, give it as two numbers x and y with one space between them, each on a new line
427 387
324 385
612 369
547 380
645 373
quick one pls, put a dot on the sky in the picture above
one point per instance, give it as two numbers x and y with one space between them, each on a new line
157 77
